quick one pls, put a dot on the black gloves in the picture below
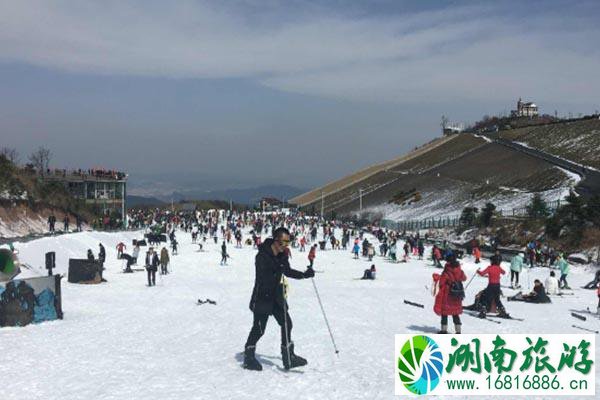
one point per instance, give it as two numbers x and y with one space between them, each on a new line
309 273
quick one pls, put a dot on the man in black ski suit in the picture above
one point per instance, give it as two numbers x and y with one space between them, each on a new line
152 263
268 298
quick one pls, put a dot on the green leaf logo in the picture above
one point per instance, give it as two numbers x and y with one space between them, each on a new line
420 364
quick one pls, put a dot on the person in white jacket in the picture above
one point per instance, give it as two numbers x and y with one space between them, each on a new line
135 254
551 284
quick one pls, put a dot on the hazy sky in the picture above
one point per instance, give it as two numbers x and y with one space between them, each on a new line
278 91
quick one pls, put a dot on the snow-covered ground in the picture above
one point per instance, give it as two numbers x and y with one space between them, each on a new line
123 340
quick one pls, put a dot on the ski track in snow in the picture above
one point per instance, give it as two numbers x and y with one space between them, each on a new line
123 340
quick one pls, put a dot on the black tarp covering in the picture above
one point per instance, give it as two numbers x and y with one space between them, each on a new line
84 271
155 238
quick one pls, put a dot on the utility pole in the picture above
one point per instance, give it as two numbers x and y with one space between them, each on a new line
123 212
360 198
322 203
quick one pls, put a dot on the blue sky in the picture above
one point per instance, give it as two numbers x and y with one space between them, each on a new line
295 92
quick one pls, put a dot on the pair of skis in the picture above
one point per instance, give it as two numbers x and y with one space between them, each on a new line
585 329
578 315
487 317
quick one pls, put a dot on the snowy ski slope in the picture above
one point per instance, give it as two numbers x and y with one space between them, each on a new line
123 340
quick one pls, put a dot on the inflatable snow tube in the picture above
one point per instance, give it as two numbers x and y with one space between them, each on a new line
9 265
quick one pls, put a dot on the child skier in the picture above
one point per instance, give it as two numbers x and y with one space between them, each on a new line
356 250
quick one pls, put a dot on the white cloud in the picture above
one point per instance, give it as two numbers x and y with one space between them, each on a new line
465 53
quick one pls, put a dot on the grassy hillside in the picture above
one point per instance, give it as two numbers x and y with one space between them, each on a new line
417 163
357 178
450 150
577 141
466 169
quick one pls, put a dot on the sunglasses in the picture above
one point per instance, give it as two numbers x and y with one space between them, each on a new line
284 242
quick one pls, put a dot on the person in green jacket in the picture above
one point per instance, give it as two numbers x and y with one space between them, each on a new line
563 265
516 266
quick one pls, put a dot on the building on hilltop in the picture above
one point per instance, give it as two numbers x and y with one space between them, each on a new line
105 188
452 129
525 109
270 204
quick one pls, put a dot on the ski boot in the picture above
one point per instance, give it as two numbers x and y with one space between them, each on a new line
291 360
250 361
444 329
503 314
481 315
458 329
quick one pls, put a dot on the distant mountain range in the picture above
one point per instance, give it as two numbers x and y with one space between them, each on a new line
248 196
134 201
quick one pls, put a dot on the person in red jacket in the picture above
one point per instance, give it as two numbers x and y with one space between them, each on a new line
477 254
437 256
302 243
445 302
493 272
312 254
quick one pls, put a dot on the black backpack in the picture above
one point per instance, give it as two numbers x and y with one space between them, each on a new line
457 290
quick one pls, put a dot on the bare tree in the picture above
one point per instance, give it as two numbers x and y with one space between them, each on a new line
444 123
41 159
11 154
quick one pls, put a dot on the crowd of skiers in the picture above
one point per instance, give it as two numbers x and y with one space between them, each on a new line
311 234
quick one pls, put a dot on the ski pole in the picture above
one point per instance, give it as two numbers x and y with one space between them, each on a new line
468 283
414 304
325 316
285 318
584 329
